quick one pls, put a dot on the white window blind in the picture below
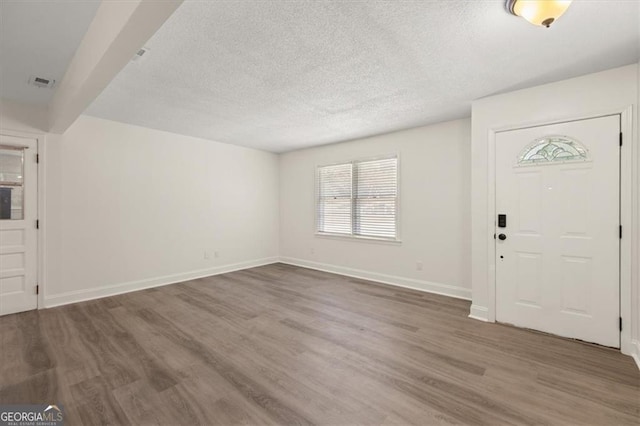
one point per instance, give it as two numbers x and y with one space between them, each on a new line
334 201
358 198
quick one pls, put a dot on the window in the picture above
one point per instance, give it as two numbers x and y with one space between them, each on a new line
359 198
11 182
553 149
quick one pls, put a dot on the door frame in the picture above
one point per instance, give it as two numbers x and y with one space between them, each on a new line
628 214
41 182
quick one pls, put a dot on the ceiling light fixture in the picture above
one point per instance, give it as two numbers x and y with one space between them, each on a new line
538 12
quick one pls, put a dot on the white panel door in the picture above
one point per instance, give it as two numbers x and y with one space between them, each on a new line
557 259
18 214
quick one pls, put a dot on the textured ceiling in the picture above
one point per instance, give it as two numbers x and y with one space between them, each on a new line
39 38
283 75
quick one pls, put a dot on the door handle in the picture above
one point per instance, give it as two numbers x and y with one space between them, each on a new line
502 237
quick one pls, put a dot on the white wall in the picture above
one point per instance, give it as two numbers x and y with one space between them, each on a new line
22 118
585 96
136 206
434 210
129 207
636 288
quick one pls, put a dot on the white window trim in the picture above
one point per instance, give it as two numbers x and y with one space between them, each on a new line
351 237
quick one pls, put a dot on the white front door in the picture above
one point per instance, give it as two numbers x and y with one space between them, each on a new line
18 214
557 255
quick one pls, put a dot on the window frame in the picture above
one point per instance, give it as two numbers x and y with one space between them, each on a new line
351 236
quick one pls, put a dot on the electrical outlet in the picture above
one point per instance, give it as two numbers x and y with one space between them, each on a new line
419 266
206 254
216 254
312 250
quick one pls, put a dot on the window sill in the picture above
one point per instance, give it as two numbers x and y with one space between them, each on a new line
358 238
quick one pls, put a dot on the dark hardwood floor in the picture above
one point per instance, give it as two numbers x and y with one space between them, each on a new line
285 345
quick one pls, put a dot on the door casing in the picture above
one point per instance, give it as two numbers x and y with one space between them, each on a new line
41 253
627 219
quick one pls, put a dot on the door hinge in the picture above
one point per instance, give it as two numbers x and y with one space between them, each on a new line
37 224
620 323
37 158
620 138
620 231
38 289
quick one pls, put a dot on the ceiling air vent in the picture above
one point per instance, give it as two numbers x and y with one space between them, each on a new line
42 82
140 54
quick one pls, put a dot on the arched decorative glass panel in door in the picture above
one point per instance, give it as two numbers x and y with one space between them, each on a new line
553 149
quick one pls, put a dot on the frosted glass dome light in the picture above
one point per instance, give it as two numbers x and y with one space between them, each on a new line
538 12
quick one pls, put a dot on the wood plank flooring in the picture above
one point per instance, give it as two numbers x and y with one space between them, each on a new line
285 345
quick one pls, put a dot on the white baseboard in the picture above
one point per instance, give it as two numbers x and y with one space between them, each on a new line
480 313
635 352
426 286
112 290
